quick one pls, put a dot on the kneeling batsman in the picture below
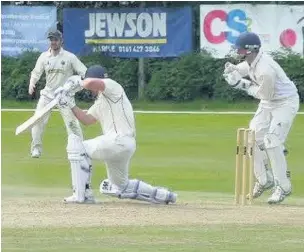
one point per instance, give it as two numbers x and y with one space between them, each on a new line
113 110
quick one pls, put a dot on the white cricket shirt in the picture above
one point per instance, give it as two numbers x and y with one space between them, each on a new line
273 83
57 68
113 110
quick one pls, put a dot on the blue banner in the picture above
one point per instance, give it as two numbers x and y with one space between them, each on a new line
144 32
25 28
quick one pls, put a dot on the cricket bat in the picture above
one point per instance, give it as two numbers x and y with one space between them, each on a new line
28 124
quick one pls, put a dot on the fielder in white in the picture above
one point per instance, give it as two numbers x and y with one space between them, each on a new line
58 65
279 103
116 146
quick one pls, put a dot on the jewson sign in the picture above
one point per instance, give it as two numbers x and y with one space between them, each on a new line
25 28
149 32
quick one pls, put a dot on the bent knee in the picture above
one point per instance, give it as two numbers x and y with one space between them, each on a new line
272 141
75 147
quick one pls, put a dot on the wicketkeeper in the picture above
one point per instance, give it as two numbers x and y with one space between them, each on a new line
279 103
58 65
116 146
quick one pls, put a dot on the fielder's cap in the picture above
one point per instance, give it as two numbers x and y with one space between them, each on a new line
96 71
55 34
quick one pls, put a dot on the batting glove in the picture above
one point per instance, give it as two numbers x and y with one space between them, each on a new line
73 84
65 99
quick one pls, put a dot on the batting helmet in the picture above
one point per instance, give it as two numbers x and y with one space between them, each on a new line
96 71
248 41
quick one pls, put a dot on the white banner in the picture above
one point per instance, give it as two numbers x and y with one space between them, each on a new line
279 26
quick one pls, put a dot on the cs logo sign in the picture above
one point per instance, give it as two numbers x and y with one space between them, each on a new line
236 20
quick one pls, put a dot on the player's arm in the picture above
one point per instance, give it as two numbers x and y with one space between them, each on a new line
94 84
78 66
65 97
83 117
107 86
36 74
265 88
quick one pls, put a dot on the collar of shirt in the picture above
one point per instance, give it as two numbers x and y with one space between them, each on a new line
49 53
256 60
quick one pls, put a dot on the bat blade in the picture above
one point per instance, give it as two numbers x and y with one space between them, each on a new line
28 124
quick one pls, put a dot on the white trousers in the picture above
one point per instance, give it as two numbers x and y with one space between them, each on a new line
275 120
71 123
267 118
116 151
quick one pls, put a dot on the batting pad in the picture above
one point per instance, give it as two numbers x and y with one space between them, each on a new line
138 190
81 167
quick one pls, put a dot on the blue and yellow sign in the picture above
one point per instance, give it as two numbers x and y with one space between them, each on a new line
148 32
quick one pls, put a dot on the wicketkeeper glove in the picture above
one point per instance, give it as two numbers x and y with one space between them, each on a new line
242 68
229 68
235 80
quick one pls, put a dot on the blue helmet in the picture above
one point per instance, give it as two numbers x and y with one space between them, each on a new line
248 41
96 71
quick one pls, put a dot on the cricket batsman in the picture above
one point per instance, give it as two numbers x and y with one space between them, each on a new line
58 65
279 103
116 146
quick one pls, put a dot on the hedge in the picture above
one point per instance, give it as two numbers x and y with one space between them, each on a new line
189 77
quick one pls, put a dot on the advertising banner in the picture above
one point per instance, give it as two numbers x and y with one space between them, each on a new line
25 28
279 26
144 32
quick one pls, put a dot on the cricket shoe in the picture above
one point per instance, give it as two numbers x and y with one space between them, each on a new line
278 195
36 153
88 198
259 189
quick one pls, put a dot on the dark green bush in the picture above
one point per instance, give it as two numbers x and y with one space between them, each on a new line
181 79
294 67
15 76
192 76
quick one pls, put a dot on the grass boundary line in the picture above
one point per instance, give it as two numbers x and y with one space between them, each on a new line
163 112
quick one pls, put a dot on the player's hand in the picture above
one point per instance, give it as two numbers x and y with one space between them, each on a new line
229 67
31 89
236 81
58 91
232 78
65 100
73 84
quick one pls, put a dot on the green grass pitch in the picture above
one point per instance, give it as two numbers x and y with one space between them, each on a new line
191 154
